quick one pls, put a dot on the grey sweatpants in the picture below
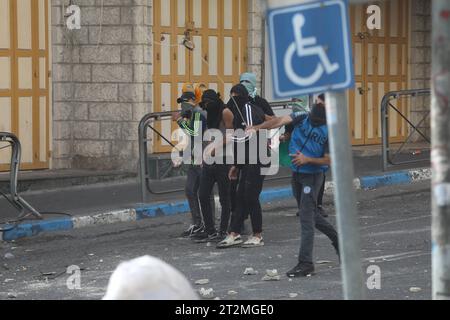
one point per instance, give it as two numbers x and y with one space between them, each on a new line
309 186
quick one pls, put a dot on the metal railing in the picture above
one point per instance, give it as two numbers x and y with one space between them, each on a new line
14 198
147 123
390 158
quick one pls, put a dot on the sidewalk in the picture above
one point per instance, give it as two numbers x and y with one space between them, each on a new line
120 201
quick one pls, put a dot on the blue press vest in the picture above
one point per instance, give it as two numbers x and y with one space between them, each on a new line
314 146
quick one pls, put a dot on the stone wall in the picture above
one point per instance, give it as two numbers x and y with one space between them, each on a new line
102 77
255 40
101 83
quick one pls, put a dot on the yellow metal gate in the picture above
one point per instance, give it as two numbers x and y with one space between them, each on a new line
381 65
218 29
24 79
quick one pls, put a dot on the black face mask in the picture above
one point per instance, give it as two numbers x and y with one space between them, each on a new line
317 115
240 101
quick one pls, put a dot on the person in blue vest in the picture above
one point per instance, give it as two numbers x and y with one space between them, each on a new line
310 156
286 137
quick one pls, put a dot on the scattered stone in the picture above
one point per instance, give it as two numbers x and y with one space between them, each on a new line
8 280
202 281
217 298
279 256
323 262
91 254
290 280
101 260
207 293
293 295
232 293
271 275
9 256
415 289
12 295
250 271
208 244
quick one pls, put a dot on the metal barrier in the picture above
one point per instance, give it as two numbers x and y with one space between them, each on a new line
388 158
14 198
145 124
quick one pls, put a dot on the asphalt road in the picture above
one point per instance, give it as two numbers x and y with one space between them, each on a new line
395 226
103 197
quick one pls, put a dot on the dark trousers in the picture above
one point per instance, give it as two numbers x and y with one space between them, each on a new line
233 191
321 191
247 199
309 186
210 175
297 193
192 193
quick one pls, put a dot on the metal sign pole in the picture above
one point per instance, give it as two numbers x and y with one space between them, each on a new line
341 155
440 127
344 195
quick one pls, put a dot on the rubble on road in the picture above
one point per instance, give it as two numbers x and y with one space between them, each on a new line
202 281
207 293
271 275
250 271
9 256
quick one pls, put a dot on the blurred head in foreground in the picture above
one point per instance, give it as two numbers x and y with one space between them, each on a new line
148 278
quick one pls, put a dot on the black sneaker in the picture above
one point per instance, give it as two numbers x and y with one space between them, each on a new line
301 270
188 231
191 230
197 230
322 212
199 235
212 237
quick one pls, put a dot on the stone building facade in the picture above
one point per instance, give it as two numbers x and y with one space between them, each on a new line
102 76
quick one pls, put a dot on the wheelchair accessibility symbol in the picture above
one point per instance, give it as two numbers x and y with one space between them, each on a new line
310 48
304 47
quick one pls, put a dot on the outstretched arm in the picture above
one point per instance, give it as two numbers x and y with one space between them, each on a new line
274 123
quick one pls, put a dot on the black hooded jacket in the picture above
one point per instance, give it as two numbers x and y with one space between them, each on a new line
245 114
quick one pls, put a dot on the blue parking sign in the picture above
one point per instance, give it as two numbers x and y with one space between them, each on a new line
310 48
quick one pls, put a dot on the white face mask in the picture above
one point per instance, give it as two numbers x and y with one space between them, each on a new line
250 88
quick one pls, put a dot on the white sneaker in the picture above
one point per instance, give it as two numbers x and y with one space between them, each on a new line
253 242
230 241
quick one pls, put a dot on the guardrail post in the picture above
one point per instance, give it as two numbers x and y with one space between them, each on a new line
384 132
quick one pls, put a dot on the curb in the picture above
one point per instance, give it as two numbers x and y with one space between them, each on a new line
34 228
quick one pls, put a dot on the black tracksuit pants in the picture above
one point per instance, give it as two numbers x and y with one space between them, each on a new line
247 199
211 174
